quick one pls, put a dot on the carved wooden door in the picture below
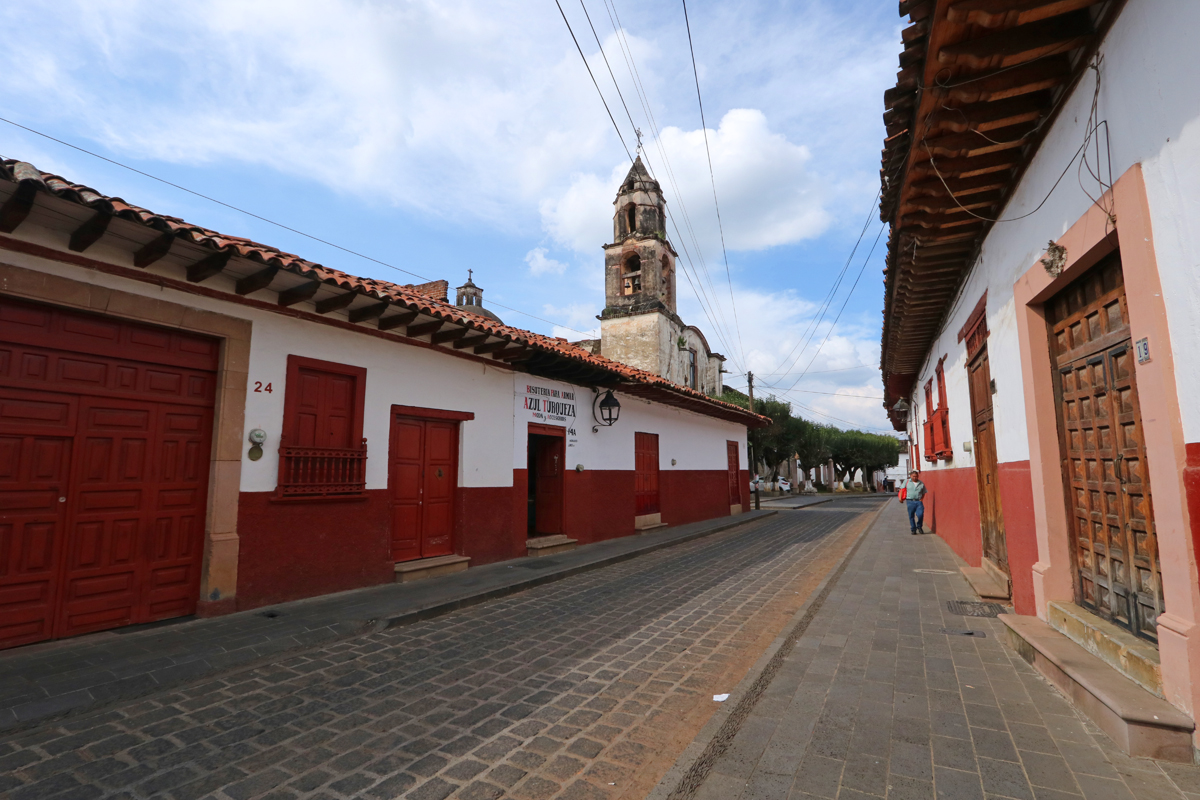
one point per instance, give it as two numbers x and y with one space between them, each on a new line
1104 458
991 520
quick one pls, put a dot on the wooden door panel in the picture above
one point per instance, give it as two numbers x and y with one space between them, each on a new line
132 407
548 503
441 478
646 473
1116 564
34 471
404 482
422 481
735 483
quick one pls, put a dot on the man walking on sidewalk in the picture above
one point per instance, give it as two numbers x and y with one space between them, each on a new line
914 495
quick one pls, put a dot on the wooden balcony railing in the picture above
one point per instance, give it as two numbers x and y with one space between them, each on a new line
322 471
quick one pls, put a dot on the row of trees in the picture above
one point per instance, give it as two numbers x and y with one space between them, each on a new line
814 444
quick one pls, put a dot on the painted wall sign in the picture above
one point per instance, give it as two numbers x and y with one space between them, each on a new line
549 404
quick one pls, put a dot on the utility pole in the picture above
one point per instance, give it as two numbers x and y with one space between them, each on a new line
753 463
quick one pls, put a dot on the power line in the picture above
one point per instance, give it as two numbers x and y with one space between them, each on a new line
711 175
261 218
701 295
644 99
588 67
849 294
811 331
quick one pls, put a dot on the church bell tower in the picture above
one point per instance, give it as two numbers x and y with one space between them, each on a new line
639 325
639 265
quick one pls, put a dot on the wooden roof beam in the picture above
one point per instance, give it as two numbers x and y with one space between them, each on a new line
425 328
968 167
17 207
514 354
335 303
90 231
993 114
1021 44
153 250
471 341
443 337
298 294
484 349
1047 73
207 267
951 205
1007 14
366 313
397 320
256 281
972 143
962 187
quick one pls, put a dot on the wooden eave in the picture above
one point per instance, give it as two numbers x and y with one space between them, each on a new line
980 83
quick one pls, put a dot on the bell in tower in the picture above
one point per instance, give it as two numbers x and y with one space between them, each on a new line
639 265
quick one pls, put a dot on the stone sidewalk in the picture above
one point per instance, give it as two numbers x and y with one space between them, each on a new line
44 681
875 699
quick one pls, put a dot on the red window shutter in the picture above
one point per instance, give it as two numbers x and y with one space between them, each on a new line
322 451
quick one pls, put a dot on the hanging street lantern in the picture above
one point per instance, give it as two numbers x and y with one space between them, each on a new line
606 409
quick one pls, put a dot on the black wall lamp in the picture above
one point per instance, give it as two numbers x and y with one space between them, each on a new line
606 409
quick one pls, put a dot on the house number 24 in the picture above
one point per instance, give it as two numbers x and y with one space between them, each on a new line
258 387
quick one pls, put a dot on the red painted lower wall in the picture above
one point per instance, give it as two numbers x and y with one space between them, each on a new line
301 549
289 551
952 510
1020 535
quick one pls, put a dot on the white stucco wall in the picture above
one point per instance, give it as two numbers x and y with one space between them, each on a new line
695 441
1150 96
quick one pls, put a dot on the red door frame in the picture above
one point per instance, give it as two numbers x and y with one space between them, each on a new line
423 417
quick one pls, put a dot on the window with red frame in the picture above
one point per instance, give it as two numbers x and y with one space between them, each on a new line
321 449
937 425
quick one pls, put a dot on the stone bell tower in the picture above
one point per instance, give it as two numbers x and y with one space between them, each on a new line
639 265
639 325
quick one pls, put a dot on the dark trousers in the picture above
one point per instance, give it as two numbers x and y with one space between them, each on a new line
916 514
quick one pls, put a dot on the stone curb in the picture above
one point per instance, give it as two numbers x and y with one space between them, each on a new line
692 767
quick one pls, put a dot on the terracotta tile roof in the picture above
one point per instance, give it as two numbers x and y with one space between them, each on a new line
415 297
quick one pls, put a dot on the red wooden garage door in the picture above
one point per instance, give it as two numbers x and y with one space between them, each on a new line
105 430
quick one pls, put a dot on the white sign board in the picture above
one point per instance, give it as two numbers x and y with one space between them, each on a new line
547 403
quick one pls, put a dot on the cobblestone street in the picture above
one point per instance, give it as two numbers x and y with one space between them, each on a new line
589 687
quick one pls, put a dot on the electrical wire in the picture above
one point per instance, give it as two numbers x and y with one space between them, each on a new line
712 176
696 285
643 97
261 218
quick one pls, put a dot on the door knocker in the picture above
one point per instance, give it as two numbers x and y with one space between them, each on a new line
439 472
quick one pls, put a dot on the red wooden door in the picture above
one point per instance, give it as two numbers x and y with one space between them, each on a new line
646 473
34 475
114 419
735 483
548 503
423 479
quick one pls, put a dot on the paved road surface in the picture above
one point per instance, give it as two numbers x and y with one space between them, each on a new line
876 701
586 688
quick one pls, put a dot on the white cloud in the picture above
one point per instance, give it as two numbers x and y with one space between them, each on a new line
540 265
581 322
768 195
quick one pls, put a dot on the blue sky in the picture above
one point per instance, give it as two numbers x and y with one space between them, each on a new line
442 136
